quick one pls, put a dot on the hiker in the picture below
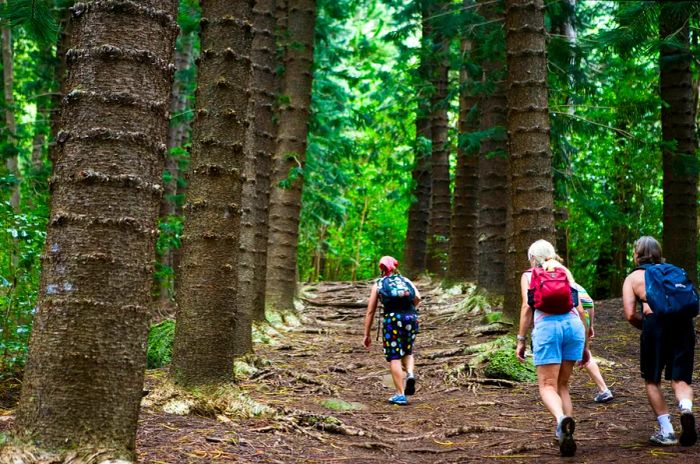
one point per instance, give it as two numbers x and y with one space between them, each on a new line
558 337
665 342
400 297
604 394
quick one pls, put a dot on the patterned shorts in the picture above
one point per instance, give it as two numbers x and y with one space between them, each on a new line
399 333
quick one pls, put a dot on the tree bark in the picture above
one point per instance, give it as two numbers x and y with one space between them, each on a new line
463 257
493 164
440 201
415 248
84 378
11 163
260 140
178 132
678 128
531 210
207 292
59 77
288 162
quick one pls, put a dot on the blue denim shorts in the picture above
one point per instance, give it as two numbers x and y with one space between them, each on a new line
557 338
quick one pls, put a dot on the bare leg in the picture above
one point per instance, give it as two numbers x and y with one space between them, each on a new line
682 390
397 375
408 363
565 371
548 382
656 398
594 373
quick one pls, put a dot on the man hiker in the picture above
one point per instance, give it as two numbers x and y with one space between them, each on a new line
665 317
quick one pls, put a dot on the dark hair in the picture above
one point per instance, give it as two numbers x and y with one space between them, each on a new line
648 250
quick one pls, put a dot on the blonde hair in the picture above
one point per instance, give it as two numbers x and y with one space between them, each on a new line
546 257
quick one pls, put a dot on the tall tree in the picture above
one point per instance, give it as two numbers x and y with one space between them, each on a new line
178 135
463 254
8 80
678 127
419 211
288 162
440 207
84 378
493 197
260 143
207 292
531 210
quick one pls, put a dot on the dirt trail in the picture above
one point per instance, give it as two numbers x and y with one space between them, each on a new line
448 420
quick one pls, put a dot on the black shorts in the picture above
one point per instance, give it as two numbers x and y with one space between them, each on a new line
668 344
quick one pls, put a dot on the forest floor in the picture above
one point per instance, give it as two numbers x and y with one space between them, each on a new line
451 418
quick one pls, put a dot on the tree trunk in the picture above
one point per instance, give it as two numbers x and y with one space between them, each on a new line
440 201
59 77
10 122
177 136
463 258
84 378
419 212
531 211
493 165
259 146
288 163
678 128
208 281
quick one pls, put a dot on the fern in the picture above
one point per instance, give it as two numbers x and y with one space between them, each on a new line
36 17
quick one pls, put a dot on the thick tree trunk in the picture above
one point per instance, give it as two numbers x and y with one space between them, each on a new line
288 163
83 382
464 258
208 281
177 135
415 248
531 210
678 127
59 77
260 140
493 166
440 195
12 162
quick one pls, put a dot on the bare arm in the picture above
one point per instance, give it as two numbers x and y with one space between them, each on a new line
417 299
526 315
629 300
369 315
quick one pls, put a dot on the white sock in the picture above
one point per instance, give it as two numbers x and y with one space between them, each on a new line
665 424
560 418
409 374
685 404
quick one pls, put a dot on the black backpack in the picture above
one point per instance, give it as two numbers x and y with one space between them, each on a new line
396 293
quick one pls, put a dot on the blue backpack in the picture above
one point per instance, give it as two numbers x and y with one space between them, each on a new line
669 291
396 293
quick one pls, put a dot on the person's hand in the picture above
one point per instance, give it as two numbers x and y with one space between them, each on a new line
520 350
367 342
591 332
585 359
646 309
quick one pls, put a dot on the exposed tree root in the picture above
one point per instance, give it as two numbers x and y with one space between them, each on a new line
478 429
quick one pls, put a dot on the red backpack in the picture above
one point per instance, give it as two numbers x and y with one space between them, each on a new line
550 291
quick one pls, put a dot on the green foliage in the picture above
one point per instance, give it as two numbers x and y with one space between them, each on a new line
341 405
36 17
160 344
503 364
491 318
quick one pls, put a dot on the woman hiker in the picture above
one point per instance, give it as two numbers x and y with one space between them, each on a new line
558 338
400 297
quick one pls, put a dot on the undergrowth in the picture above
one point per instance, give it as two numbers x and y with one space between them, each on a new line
160 344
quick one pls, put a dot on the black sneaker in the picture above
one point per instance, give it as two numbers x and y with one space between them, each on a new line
689 435
410 387
567 445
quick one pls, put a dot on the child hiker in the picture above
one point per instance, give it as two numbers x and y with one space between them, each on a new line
399 296
604 394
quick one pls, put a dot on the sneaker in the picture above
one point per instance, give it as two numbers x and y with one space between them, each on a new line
398 399
604 397
410 388
689 434
659 438
567 445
